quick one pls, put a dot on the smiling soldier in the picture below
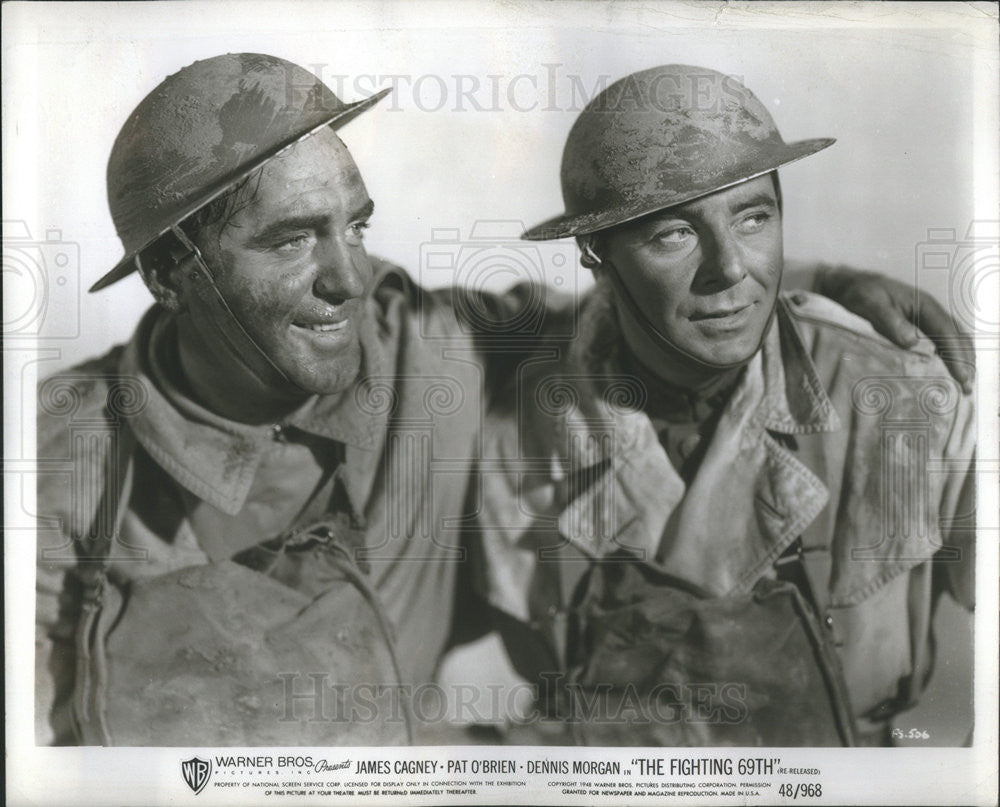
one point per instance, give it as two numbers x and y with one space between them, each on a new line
269 413
718 516
239 512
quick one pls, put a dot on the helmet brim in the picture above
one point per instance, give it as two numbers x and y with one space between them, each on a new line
127 264
568 225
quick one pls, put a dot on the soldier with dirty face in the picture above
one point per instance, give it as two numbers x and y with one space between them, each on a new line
262 529
251 531
741 539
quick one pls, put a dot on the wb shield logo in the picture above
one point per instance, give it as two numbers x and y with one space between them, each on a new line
196 773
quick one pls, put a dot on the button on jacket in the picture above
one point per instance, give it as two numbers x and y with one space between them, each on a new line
834 437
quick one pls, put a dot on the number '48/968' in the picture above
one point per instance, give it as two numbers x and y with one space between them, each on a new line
800 790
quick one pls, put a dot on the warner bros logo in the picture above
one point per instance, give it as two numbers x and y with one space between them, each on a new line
196 772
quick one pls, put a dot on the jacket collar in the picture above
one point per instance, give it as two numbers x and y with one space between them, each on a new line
750 497
216 458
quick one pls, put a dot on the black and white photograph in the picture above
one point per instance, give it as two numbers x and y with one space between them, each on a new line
527 402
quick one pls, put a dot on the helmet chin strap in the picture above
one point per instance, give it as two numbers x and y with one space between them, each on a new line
651 332
248 351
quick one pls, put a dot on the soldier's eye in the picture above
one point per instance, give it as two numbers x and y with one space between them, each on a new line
292 244
674 237
754 223
356 231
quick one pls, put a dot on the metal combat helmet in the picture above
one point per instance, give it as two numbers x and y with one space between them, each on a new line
660 138
657 139
197 135
200 132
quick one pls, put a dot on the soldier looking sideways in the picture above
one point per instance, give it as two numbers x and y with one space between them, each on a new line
712 526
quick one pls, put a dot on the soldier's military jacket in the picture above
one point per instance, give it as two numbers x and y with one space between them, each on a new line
169 499
836 449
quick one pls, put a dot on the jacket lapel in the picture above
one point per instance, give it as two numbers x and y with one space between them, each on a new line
619 497
750 498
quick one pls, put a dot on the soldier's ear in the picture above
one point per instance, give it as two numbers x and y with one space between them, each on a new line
589 257
160 268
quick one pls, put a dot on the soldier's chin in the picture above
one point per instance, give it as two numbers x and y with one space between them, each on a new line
727 354
332 376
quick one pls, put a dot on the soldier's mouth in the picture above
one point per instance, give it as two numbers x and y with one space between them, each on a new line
325 327
720 313
328 333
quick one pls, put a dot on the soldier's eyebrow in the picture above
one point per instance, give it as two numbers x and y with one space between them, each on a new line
757 200
276 229
363 212
691 211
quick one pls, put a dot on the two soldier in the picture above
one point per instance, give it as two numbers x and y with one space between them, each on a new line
267 514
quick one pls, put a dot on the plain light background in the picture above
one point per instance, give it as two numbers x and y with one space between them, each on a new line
895 84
